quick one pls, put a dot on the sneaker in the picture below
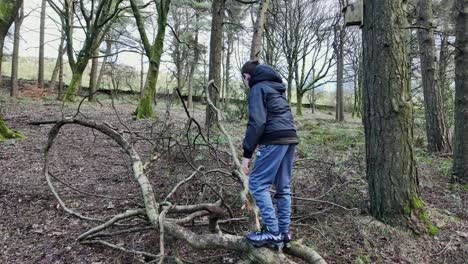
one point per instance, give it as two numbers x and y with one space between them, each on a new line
286 240
265 238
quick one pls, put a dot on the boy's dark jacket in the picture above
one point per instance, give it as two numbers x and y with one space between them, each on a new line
270 118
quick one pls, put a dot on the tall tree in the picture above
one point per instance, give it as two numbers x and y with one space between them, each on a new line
14 60
9 11
259 27
61 51
388 113
436 126
96 19
40 74
460 151
338 46
153 52
93 76
215 64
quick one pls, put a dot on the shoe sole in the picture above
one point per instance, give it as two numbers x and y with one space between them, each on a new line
272 245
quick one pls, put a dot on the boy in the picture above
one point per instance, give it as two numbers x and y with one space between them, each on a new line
271 127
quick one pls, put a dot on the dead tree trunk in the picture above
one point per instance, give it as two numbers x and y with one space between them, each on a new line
155 211
460 151
388 114
436 126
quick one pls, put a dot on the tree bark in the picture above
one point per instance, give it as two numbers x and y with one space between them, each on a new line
56 70
93 75
104 63
154 53
196 57
436 126
215 64
460 151
339 44
40 75
9 10
299 96
259 27
14 59
388 113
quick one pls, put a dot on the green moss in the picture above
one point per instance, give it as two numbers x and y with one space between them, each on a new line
407 209
417 203
432 230
423 216
6 133
144 109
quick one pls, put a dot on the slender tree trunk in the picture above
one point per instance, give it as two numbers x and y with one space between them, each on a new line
55 72
436 126
215 64
145 105
444 83
299 96
142 74
93 75
290 81
40 75
460 151
388 114
2 41
193 66
259 27
7 16
60 86
14 59
339 115
104 63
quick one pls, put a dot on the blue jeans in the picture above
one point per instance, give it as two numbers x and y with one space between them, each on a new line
273 165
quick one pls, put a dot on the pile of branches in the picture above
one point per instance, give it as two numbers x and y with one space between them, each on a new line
167 216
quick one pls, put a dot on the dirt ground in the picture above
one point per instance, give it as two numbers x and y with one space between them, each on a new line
329 212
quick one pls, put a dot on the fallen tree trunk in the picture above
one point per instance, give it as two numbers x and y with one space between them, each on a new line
155 213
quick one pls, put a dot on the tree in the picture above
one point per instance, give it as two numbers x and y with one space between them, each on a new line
388 114
216 51
436 126
338 46
153 52
9 11
460 151
259 27
61 51
96 19
93 76
40 75
14 60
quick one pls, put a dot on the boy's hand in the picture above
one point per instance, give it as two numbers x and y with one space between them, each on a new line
245 165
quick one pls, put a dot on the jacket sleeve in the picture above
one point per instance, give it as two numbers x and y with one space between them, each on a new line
257 120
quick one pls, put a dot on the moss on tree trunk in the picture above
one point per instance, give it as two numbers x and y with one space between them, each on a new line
6 133
70 94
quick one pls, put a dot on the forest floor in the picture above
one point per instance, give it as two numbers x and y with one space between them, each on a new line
330 190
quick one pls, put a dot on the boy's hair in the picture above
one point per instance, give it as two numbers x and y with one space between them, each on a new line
249 67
